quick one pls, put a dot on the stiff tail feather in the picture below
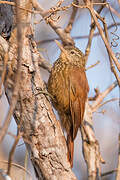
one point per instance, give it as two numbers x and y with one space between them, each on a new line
70 145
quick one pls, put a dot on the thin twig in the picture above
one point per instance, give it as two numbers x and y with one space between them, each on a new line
102 95
13 4
59 3
91 34
72 18
77 37
97 92
18 166
104 38
4 72
66 38
93 65
46 14
113 10
93 14
110 58
10 134
109 172
18 76
110 100
11 153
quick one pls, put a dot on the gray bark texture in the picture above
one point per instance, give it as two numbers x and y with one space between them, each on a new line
33 113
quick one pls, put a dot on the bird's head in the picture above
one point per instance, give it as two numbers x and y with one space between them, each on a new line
72 55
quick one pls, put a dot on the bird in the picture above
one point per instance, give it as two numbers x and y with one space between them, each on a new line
68 86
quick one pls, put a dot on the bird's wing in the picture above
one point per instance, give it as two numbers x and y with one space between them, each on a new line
78 88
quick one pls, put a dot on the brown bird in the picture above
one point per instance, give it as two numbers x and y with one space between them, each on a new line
68 86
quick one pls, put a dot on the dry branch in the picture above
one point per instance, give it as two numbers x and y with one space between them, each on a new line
78 37
91 149
48 150
97 103
65 37
12 153
96 16
17 78
90 146
91 34
104 39
72 18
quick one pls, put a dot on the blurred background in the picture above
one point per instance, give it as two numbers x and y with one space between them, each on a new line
107 124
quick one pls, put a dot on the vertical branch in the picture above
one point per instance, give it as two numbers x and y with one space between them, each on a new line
87 50
91 149
103 37
72 18
93 26
11 153
110 58
47 150
90 146
18 76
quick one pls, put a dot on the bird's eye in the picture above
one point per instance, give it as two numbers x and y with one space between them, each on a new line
72 52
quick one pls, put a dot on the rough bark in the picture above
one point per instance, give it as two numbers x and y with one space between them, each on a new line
34 115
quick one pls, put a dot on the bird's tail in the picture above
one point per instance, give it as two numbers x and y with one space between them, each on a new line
70 145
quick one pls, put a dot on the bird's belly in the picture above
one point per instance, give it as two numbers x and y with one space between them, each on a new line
62 97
